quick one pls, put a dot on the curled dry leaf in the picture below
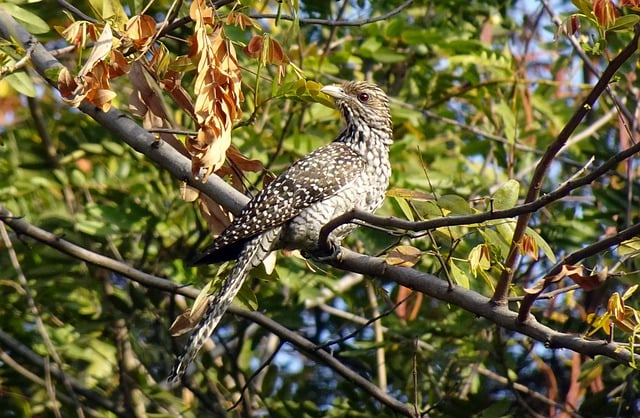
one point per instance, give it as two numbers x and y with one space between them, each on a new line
254 47
141 29
530 247
92 82
216 217
605 12
241 20
575 273
147 102
186 321
411 306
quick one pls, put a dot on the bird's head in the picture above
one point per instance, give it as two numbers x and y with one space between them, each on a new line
361 103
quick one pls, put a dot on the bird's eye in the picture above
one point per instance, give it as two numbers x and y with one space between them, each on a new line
363 97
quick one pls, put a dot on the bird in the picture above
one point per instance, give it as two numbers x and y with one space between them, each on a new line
351 172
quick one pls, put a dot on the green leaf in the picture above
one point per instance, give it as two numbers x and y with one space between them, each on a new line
405 208
21 82
31 22
585 6
509 123
455 204
506 196
624 23
458 275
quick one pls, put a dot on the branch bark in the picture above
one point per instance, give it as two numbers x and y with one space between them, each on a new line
502 288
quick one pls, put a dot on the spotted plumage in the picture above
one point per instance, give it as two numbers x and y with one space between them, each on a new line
351 172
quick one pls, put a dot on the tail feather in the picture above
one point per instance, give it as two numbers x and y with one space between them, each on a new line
253 254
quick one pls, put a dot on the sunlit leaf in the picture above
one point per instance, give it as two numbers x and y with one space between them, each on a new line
506 196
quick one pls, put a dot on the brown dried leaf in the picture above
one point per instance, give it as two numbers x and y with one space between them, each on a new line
67 85
243 163
216 217
188 193
592 281
79 33
567 270
171 84
118 64
186 321
254 47
276 55
148 92
141 29
99 52
411 306
218 94
92 82
198 12
530 247
605 12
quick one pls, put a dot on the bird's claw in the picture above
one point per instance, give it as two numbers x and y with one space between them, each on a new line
333 252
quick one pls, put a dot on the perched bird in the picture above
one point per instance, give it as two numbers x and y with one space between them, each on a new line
351 172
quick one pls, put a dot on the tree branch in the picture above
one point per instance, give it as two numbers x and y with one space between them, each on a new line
573 259
526 208
14 346
502 288
480 305
306 346
123 127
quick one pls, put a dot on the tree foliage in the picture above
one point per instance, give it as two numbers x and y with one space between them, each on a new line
499 279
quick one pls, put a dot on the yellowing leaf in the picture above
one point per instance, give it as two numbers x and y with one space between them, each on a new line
403 256
630 291
479 259
458 275
409 194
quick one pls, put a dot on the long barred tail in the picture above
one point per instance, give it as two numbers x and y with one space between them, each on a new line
253 254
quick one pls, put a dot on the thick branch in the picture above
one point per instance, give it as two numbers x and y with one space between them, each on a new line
480 305
24 228
502 288
123 127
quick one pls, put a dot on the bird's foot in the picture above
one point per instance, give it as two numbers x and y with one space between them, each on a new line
324 254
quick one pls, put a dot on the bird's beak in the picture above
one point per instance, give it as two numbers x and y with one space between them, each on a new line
333 91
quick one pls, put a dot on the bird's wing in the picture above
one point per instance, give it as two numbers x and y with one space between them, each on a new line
317 176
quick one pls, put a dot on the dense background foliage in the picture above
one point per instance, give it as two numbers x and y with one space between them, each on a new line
484 102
